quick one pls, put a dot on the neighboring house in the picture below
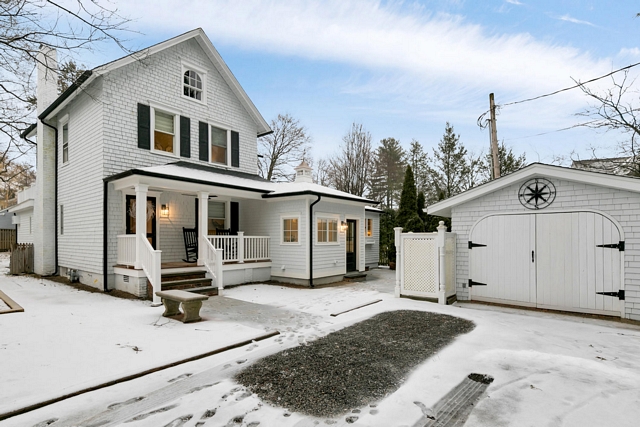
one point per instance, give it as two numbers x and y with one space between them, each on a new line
22 215
549 237
167 138
615 165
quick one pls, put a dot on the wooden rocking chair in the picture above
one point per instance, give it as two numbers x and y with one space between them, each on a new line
190 244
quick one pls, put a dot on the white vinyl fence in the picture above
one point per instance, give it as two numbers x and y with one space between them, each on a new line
425 264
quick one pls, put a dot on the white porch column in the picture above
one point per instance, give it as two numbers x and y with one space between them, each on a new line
442 297
240 247
141 220
203 230
398 243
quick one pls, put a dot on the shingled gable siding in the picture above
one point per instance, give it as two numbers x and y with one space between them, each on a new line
157 79
262 218
624 206
80 187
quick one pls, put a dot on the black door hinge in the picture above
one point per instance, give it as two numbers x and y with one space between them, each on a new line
475 245
619 294
619 246
472 283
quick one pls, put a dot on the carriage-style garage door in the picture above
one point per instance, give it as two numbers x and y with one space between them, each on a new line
565 261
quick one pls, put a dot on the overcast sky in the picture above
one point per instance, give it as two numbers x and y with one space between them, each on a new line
403 69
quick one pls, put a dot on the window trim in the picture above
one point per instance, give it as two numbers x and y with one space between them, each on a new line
328 217
228 152
176 129
289 216
186 66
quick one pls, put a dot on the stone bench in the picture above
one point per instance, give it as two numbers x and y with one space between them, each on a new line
190 302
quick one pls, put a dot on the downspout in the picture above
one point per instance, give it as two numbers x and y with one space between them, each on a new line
311 240
105 233
55 196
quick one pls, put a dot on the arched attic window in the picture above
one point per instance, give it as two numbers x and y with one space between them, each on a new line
192 85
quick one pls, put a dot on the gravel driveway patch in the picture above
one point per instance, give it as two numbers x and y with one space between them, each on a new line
352 367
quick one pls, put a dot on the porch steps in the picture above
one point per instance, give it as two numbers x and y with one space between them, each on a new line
356 276
194 281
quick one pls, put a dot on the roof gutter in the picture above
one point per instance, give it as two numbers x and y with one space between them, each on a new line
105 234
315 193
311 240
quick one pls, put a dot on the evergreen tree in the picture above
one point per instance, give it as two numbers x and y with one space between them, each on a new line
450 166
419 163
387 236
421 204
509 162
408 217
388 168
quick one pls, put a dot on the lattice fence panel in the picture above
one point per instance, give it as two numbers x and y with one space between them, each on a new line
420 265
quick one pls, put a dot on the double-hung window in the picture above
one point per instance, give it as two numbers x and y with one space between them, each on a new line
369 227
219 139
290 229
164 132
65 143
217 215
327 230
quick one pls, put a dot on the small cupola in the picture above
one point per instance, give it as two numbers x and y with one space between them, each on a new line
303 172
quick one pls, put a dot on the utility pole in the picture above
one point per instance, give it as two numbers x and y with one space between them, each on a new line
494 138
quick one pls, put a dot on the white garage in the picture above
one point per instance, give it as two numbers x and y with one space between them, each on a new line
550 237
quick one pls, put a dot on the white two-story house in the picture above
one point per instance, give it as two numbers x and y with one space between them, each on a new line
166 138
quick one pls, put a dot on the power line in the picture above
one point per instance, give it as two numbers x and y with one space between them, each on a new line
553 131
482 121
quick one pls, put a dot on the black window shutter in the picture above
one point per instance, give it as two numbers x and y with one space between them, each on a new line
235 218
235 149
203 141
185 136
144 126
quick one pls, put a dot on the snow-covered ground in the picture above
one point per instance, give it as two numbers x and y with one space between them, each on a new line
549 369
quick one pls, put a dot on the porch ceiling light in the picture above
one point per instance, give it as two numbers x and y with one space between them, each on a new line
164 211
343 227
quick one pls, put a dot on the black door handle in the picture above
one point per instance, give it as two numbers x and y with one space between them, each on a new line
532 258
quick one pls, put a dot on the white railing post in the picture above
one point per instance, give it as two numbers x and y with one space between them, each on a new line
398 243
203 226
141 220
442 295
240 247
219 273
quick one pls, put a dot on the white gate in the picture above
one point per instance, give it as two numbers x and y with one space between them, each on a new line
425 264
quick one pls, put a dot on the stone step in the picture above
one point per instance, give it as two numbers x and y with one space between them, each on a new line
205 290
186 284
172 277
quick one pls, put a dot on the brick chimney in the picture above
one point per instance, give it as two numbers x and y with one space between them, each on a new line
44 203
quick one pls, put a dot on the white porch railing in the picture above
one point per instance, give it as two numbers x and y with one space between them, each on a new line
213 261
241 248
126 249
256 248
150 260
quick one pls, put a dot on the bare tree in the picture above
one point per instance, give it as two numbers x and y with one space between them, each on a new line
25 26
321 175
617 109
283 149
350 169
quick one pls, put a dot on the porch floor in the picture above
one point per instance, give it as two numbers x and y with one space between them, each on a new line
183 265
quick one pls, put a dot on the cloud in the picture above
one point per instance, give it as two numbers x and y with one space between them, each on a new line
568 18
516 2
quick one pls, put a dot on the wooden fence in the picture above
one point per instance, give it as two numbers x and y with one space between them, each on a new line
7 238
21 258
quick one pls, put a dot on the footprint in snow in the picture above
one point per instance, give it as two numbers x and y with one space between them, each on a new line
243 396
202 387
427 412
46 422
208 414
251 347
352 419
241 361
126 402
148 414
180 377
253 424
227 366
180 421
235 421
